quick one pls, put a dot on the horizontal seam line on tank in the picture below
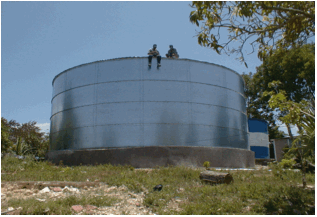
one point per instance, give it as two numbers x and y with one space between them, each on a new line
146 80
153 124
146 101
143 146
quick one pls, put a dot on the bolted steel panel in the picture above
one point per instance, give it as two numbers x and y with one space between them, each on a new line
73 98
121 103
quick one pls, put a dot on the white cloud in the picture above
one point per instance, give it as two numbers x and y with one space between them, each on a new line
45 127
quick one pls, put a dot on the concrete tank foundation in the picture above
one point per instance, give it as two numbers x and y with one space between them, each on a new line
147 157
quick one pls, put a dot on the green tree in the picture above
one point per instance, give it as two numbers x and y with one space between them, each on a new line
302 115
294 69
26 138
270 25
255 104
21 148
6 143
44 145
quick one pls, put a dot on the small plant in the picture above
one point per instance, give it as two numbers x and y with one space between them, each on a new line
277 170
66 169
287 163
206 164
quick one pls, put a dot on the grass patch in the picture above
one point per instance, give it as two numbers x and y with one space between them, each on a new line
60 206
253 192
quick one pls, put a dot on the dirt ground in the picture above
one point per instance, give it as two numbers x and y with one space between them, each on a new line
129 202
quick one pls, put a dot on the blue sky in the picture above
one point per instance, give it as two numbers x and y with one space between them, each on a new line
41 39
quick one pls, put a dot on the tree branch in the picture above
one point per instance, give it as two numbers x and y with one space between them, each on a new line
290 10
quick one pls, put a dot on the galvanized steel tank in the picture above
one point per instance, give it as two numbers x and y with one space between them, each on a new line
121 103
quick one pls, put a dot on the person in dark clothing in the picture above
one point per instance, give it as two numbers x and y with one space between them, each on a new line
172 53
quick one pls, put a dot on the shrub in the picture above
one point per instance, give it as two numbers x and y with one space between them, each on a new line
206 164
287 163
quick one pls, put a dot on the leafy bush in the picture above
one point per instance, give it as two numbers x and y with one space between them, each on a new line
206 164
23 139
287 163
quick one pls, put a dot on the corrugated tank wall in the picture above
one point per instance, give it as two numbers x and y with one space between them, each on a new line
122 103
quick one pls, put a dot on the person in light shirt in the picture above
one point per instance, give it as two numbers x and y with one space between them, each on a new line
153 52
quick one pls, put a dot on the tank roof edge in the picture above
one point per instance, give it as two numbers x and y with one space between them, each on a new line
121 58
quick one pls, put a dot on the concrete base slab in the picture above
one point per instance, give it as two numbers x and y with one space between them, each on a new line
148 157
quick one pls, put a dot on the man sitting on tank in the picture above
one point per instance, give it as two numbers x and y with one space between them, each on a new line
154 53
172 53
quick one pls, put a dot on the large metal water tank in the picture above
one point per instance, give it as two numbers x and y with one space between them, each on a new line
121 103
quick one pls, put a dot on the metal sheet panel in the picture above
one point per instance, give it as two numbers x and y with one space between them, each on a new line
208 94
121 103
234 81
259 139
209 115
172 91
124 91
257 125
181 72
235 101
166 113
73 98
119 135
81 76
208 75
119 113
117 71
73 118
59 85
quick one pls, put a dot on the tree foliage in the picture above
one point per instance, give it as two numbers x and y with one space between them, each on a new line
267 24
6 143
23 138
294 69
302 115
256 106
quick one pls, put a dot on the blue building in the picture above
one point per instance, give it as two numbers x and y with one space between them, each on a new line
259 138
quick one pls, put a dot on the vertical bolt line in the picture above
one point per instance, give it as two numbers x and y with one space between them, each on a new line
64 146
96 79
142 101
190 101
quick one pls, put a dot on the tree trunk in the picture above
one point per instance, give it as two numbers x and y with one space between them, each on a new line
216 177
289 132
303 170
